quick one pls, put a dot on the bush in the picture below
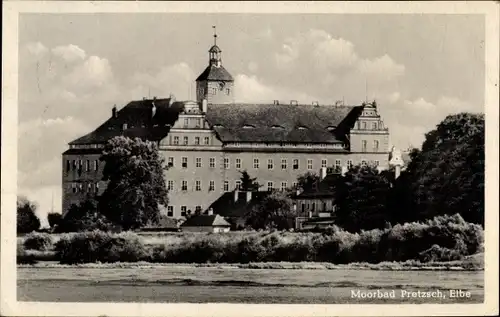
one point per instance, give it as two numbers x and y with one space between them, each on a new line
444 238
38 241
98 246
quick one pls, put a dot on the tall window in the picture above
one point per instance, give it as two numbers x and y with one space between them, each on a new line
256 163
96 165
284 185
338 163
226 186
212 162
170 185
171 161
295 164
183 211
186 140
375 145
87 166
374 126
184 162
269 186
238 163
197 186
324 163
196 140
68 165
349 164
211 186
198 122
228 91
284 164
226 163
170 211
176 140
198 162
186 122
363 125
237 185
97 187
214 91
309 164
270 164
184 186
206 140
363 145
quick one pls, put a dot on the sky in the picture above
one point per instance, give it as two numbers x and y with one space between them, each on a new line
74 67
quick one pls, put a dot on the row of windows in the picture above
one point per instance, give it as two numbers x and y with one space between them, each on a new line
364 144
213 91
184 210
185 140
80 165
198 122
364 126
184 186
85 187
238 163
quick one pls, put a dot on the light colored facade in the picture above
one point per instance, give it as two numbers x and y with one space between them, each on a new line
205 163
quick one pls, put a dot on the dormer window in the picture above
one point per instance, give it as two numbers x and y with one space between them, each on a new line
248 126
218 125
301 127
277 127
331 128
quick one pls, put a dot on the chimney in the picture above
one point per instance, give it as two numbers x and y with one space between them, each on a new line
171 100
236 195
322 173
210 211
113 112
153 109
204 106
249 196
276 102
293 102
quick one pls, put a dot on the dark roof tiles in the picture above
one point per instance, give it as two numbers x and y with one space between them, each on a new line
215 73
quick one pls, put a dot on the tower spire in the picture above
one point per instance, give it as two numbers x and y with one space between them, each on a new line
215 34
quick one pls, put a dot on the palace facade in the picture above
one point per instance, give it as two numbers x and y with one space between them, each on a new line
208 142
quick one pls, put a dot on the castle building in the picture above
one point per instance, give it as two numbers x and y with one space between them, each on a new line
208 142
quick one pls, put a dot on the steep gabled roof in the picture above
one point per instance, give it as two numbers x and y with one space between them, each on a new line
213 72
140 122
205 221
276 123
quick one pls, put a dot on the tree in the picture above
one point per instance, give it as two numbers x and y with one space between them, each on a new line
307 181
447 175
274 211
27 221
248 183
361 196
136 186
84 217
54 219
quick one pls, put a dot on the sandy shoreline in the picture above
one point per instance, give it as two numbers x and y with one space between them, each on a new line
470 264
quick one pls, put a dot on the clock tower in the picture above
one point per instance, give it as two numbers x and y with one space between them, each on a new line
215 84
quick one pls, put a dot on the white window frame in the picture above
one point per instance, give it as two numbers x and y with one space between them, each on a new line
284 186
206 140
184 161
225 187
298 164
176 140
171 161
198 162
196 140
184 185
211 186
227 164
310 164
256 163
270 164
197 186
185 140
170 185
270 186
284 164
238 163
212 162
324 163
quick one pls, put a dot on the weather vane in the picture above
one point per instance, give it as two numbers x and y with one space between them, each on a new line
215 34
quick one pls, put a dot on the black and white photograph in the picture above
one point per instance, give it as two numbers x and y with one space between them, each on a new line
239 153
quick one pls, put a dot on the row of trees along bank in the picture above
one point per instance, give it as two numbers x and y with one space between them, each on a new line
445 177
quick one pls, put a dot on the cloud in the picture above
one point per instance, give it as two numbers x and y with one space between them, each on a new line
94 73
36 49
252 89
69 53
177 79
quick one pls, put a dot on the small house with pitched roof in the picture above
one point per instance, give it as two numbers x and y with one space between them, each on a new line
206 223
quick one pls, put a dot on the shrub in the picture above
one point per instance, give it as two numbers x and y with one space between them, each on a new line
38 241
98 246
